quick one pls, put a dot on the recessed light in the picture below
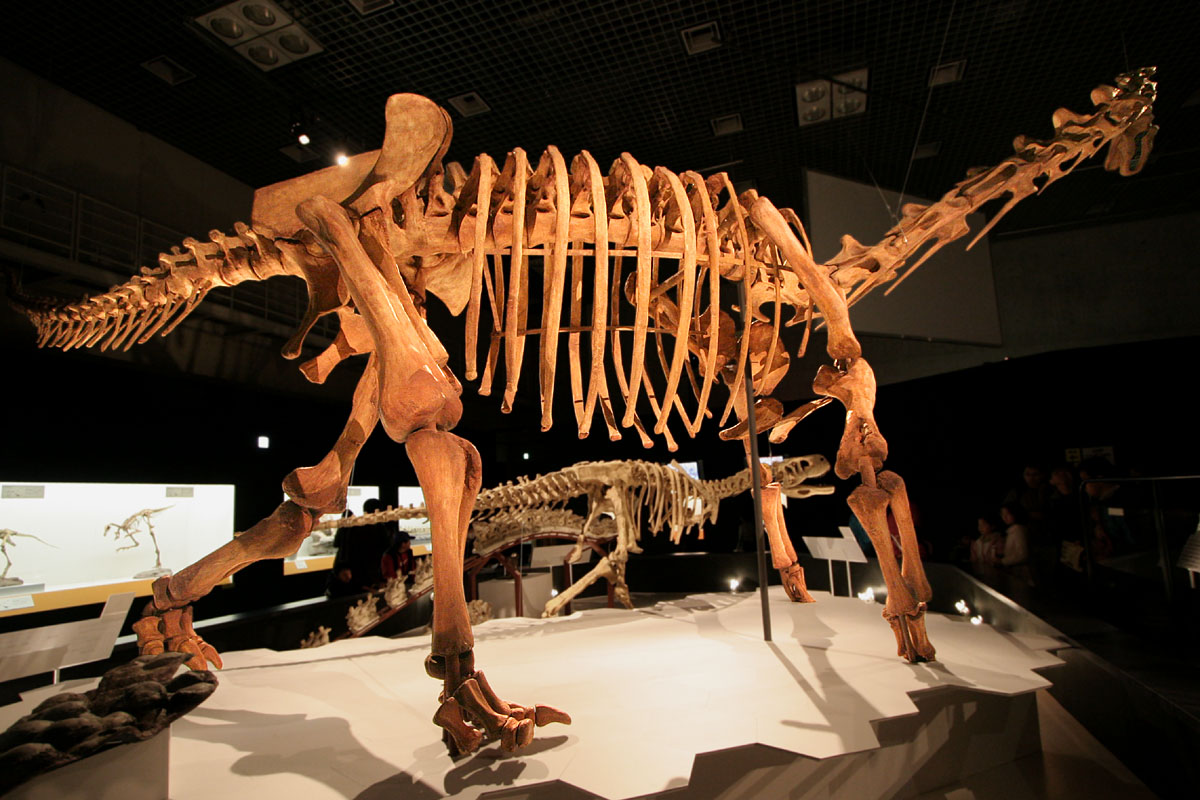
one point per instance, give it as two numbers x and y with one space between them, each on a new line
813 93
296 42
259 14
226 27
263 54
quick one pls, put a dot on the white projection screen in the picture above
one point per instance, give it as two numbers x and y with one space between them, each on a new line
950 298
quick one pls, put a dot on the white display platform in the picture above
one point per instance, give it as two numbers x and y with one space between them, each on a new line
649 690
501 594
131 772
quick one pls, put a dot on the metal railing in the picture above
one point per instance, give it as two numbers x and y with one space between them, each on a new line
56 219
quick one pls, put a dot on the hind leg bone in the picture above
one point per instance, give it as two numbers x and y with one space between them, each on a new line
166 622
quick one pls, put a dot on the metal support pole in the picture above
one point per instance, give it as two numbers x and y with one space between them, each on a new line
1164 553
756 485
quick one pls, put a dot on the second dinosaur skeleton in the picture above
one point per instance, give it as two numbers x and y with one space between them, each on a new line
374 237
640 495
9 538
129 529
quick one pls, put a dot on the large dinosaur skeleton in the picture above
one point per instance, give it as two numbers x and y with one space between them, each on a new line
373 237
639 495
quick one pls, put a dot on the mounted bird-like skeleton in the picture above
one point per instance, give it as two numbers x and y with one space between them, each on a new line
637 256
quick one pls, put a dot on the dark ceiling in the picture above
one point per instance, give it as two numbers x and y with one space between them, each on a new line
614 76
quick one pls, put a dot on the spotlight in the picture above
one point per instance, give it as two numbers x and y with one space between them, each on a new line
554 592
264 442
867 596
977 619
524 456
303 138
733 584
342 159
962 607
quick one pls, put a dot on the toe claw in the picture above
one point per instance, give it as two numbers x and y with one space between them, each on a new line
544 715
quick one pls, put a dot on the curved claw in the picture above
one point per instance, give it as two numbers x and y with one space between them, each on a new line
171 631
794 585
475 711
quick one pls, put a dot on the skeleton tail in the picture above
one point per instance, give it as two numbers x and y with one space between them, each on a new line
161 297
682 233
1123 119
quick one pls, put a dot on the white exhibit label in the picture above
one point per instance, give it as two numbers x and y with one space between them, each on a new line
13 603
22 491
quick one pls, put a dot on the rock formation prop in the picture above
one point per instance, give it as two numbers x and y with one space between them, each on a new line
133 702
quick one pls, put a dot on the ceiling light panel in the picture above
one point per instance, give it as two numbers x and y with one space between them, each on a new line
261 32
812 102
849 93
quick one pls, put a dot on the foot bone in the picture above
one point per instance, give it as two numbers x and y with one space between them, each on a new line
475 711
171 631
912 641
794 585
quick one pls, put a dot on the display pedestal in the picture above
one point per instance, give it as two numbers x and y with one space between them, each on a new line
129 772
501 593
684 694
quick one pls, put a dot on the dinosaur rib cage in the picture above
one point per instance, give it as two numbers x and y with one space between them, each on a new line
680 233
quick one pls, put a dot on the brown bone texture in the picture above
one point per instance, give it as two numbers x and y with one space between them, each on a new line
629 263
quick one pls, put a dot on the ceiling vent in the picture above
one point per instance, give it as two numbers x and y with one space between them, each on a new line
299 153
261 32
365 7
701 38
469 104
950 72
926 150
723 126
167 70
